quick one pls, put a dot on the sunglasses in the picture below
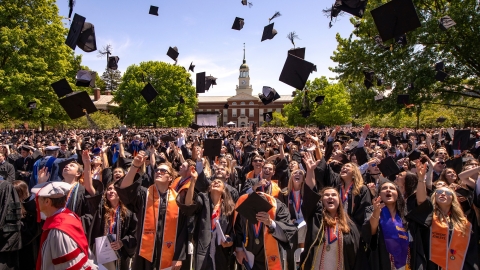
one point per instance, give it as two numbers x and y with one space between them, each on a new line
442 191
257 160
162 171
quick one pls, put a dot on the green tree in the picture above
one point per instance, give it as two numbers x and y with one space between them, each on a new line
400 65
335 109
111 79
171 83
32 56
278 120
103 120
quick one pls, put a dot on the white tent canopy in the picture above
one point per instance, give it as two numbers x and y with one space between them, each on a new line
231 123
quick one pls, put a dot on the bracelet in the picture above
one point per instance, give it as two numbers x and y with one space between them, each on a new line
375 217
136 166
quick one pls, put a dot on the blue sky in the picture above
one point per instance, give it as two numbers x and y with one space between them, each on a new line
202 32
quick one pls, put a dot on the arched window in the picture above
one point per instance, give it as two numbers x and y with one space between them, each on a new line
234 103
242 103
251 103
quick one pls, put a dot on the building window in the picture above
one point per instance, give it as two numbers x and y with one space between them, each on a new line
242 103
242 112
234 112
242 124
251 112
209 110
251 103
234 103
279 110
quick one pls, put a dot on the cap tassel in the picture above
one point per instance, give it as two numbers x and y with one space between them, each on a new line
37 206
292 36
90 121
277 14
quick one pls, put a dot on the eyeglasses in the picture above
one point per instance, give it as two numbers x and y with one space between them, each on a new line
162 171
257 160
443 191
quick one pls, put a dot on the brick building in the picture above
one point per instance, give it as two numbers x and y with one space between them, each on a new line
243 108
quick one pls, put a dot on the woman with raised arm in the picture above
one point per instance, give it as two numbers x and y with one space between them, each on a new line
332 239
214 213
161 230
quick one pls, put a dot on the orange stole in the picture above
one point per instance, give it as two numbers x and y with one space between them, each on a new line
150 219
250 174
175 184
440 252
272 253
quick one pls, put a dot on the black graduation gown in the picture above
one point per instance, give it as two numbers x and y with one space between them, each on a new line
31 231
284 198
79 204
23 164
312 213
202 210
10 227
203 183
134 198
282 220
128 227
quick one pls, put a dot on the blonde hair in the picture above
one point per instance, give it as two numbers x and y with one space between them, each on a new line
290 184
342 218
456 213
356 178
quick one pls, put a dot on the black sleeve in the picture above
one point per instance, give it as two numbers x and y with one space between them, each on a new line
328 149
367 236
202 183
93 202
181 241
284 221
129 239
281 172
361 155
320 174
185 152
363 202
133 196
189 210
310 201
351 242
421 214
248 184
10 172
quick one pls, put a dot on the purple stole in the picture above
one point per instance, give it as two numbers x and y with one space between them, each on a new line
396 237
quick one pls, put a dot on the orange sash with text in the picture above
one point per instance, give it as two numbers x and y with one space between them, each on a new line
177 181
443 254
149 230
272 253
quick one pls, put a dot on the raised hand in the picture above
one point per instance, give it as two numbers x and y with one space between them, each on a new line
86 158
377 206
366 130
421 170
43 175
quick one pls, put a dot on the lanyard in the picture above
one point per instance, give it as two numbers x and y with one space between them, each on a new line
113 220
182 183
256 229
344 194
215 216
332 234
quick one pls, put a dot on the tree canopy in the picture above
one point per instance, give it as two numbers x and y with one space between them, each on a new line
335 109
171 83
414 63
32 56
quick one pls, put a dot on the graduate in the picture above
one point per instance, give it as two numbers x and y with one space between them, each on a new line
264 183
161 230
212 209
332 239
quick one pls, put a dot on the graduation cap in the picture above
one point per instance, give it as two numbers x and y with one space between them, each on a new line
268 32
461 140
388 167
32 105
149 92
414 155
295 72
85 78
404 100
212 147
445 23
226 106
369 78
305 113
77 104
244 2
173 53
441 119
81 34
167 138
268 116
26 148
209 81
113 62
319 100
298 52
182 101
191 67
268 95
395 18
153 10
379 97
62 88
253 205
354 7
238 23
194 126
441 75
200 83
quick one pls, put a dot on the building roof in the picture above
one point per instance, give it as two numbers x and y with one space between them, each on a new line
104 101
212 99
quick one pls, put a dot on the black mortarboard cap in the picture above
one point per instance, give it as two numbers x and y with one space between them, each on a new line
461 139
32 105
85 78
173 53
319 100
395 18
440 76
113 62
268 116
403 99
153 10
305 113
62 88
268 32
200 82
295 72
388 167
149 93
414 155
446 22
76 103
298 52
226 106
209 81
369 78
455 164
253 205
440 66
238 23
81 34
268 95
393 139
191 67
441 119
211 147
354 7
194 126
167 138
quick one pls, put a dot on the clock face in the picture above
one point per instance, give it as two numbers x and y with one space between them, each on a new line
243 82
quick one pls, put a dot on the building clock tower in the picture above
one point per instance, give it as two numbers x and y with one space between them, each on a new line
244 86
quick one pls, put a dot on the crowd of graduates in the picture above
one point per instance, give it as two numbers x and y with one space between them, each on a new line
240 198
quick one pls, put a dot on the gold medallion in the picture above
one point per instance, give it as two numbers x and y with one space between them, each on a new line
452 257
328 247
257 241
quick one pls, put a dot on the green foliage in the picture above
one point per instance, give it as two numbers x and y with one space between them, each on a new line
335 109
171 83
32 56
104 120
111 79
278 120
414 62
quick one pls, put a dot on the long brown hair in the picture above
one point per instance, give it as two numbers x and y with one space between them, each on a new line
342 218
228 206
456 213
22 191
109 210
356 178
